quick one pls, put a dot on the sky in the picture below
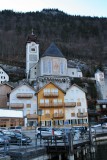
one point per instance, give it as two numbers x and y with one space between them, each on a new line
93 8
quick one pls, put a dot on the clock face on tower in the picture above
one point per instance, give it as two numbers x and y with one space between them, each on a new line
33 49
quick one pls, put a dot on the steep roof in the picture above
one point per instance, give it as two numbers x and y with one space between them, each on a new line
53 84
78 87
53 51
32 38
22 85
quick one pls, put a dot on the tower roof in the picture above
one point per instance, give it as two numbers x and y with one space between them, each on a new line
31 38
53 51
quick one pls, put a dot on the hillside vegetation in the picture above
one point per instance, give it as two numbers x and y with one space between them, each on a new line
77 37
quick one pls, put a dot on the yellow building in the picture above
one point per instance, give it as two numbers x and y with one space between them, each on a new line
51 101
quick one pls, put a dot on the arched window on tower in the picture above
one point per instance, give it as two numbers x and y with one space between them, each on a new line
49 67
61 68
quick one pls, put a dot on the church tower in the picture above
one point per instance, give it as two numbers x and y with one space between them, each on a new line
32 53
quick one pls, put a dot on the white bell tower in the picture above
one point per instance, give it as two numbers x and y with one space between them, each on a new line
32 53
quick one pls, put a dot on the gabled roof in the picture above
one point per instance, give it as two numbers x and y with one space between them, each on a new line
6 83
22 85
78 87
53 51
54 85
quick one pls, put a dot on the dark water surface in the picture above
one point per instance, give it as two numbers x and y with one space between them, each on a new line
101 154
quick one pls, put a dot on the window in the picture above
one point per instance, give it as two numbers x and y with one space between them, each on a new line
59 100
72 73
72 114
28 105
49 66
47 111
47 101
79 110
56 122
78 103
41 100
28 111
33 49
55 101
61 68
48 123
83 110
61 122
60 111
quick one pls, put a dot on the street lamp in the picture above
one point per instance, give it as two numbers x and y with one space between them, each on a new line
39 113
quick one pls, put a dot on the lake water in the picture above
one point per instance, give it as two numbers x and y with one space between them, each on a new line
101 154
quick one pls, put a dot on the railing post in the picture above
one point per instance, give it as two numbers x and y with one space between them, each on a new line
70 141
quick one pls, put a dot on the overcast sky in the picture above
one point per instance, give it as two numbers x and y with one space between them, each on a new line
72 7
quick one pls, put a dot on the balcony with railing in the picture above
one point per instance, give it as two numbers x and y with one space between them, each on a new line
58 115
50 94
16 105
81 115
47 115
32 116
70 104
24 95
52 104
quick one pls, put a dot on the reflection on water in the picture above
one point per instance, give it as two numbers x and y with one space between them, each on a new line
101 154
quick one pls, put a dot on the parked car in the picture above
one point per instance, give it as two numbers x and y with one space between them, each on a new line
80 128
91 129
5 137
15 128
104 125
2 141
18 138
46 131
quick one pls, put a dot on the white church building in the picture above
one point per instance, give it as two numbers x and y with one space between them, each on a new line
52 66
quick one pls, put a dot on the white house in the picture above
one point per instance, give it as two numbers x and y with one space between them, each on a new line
3 76
76 106
74 72
101 84
23 98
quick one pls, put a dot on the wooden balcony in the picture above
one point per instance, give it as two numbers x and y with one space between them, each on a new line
17 105
58 115
44 105
50 94
24 95
47 115
57 104
32 116
81 115
70 104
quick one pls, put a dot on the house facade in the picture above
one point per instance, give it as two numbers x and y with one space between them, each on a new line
76 106
11 118
5 89
3 76
51 102
23 98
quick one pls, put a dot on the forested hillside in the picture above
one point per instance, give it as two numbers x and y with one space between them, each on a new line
77 37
